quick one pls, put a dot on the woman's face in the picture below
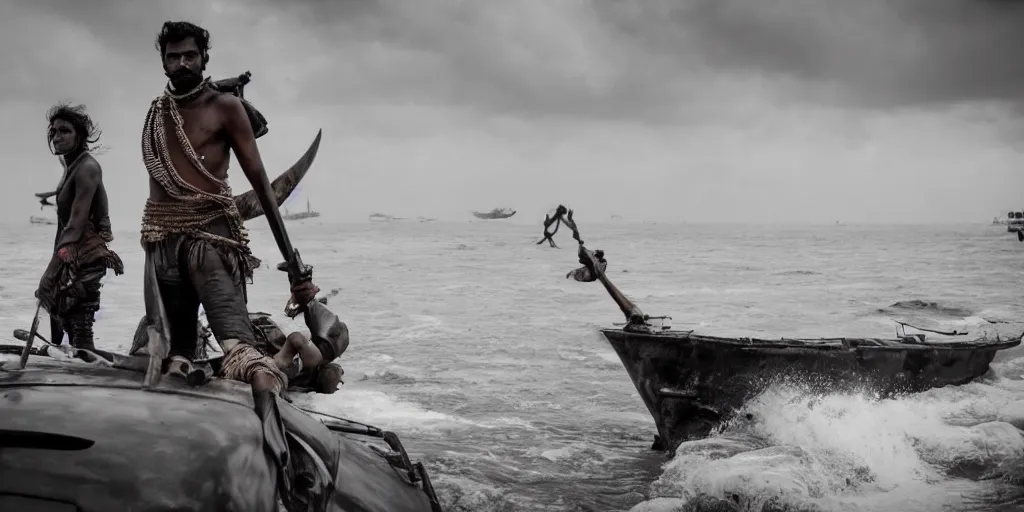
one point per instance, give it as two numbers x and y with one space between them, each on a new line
63 136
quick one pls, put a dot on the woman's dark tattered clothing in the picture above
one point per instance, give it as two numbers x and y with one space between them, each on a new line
70 291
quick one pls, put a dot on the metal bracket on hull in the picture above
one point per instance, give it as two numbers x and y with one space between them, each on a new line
692 396
677 393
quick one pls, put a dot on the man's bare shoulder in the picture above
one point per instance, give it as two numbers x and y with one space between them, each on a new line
228 103
232 112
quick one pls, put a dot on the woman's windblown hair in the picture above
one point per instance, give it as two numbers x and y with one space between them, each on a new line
86 130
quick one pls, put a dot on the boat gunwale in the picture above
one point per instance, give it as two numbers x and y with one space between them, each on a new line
74 374
820 344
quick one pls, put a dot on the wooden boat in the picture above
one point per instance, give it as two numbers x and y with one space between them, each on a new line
310 213
691 383
1014 221
84 437
497 213
35 219
383 217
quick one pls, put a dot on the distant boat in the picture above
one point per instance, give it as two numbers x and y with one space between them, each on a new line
425 219
616 217
497 213
35 219
308 214
383 217
1014 221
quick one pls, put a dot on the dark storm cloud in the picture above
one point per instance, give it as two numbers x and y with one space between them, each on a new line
75 48
877 53
599 58
783 107
607 58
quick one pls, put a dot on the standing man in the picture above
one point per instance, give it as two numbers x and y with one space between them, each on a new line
192 232
69 289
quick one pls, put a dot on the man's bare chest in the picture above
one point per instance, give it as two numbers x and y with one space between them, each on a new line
202 127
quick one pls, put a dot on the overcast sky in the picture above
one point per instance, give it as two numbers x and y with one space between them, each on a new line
697 110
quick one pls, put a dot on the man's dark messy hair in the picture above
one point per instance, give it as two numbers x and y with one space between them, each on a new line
175 31
86 130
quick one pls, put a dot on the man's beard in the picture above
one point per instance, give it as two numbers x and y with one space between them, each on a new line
184 79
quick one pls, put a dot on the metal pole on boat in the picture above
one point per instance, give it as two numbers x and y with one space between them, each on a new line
31 337
634 316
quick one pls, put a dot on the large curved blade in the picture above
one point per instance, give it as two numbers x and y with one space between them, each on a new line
283 186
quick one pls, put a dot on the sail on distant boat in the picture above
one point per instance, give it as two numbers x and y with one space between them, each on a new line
308 214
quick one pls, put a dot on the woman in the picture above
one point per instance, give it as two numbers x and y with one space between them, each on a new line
70 287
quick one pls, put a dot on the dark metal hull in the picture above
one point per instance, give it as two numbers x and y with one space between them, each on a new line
87 438
691 383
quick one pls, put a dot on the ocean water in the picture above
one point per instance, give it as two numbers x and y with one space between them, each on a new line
470 343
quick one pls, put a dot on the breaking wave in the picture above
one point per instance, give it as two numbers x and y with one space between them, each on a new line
953 448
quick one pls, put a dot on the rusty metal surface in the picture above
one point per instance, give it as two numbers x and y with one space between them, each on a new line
151 452
91 436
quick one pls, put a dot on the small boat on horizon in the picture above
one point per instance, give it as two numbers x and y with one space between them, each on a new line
497 213
383 217
36 219
308 214
1014 221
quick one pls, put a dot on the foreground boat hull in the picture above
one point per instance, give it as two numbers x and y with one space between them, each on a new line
85 438
692 383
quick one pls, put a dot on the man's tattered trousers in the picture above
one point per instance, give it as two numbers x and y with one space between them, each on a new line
193 271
